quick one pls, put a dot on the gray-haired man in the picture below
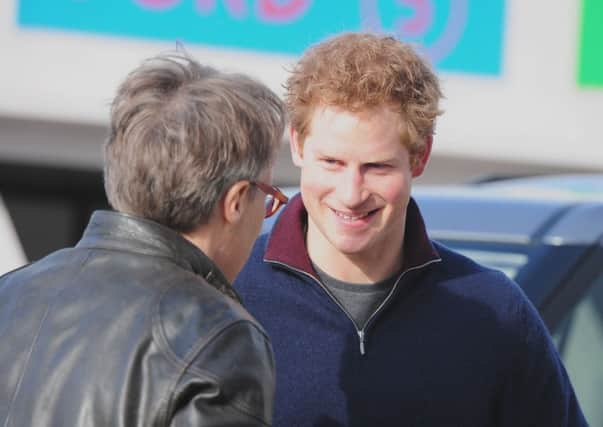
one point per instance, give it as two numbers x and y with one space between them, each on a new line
137 325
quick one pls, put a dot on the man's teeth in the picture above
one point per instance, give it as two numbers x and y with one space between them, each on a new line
350 217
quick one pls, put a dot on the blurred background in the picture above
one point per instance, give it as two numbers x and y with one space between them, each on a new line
523 83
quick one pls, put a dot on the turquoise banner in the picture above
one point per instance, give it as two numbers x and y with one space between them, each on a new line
457 35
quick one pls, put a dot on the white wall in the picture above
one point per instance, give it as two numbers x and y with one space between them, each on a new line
11 251
533 113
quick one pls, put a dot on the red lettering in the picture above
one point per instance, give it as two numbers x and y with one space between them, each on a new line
282 11
421 20
157 4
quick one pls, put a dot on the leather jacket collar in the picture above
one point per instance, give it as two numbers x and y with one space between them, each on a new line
118 231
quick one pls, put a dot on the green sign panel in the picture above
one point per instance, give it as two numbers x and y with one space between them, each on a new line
590 62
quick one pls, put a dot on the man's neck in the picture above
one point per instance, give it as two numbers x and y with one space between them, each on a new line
370 266
213 240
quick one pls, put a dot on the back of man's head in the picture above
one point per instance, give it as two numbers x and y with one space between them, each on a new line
181 133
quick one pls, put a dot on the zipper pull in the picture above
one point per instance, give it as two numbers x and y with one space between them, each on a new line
361 336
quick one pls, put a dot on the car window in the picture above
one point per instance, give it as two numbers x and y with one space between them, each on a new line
579 339
507 262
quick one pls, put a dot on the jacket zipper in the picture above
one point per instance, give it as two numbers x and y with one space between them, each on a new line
361 338
393 291
361 332
335 300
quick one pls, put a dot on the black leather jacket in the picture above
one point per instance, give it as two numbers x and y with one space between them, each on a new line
133 327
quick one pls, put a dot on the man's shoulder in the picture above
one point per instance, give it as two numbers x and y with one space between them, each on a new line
44 273
456 265
462 275
190 310
484 297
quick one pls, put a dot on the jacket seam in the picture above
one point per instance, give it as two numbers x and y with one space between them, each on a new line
22 375
166 257
32 347
248 414
180 364
184 365
238 403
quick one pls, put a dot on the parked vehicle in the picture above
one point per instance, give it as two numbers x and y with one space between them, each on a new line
546 233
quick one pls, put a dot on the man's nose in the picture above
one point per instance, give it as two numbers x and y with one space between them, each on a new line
352 191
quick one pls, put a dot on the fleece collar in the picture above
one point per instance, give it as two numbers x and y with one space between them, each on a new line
287 241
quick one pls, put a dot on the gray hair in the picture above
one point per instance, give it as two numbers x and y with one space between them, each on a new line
181 134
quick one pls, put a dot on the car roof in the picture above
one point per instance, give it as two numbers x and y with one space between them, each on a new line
576 187
560 209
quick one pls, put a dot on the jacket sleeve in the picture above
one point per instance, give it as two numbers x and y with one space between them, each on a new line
230 382
538 391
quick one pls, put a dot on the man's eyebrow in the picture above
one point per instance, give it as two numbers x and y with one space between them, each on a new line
381 161
320 153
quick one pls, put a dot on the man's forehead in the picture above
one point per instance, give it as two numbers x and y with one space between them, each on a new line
326 110
340 152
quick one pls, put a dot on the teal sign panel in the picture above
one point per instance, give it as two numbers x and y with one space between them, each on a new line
456 35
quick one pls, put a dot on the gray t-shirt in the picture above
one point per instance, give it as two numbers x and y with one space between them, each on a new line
359 300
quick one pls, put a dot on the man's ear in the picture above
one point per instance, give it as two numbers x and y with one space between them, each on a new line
420 159
234 202
296 147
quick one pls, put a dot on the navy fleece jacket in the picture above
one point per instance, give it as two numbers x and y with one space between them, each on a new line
456 344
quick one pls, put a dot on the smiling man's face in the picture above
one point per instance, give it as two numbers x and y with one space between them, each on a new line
355 182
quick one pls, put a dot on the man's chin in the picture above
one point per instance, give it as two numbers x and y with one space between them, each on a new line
350 248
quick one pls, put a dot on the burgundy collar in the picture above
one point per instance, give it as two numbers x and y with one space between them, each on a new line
287 241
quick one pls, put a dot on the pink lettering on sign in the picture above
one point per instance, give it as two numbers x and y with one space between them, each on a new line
157 4
282 11
453 31
421 20
275 11
413 26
